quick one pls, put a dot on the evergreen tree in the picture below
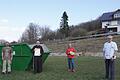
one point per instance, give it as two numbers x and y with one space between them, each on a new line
64 27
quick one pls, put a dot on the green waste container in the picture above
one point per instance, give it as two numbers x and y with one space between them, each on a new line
22 56
1 46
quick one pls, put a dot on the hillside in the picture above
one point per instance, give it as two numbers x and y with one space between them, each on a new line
84 45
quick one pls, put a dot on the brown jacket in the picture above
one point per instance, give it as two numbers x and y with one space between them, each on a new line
9 51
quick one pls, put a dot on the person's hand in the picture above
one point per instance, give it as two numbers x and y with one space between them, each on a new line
113 58
10 61
2 58
76 55
11 58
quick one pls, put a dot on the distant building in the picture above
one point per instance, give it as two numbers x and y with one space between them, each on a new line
111 21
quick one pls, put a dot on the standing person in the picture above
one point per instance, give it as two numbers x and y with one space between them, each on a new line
71 55
109 53
6 58
37 57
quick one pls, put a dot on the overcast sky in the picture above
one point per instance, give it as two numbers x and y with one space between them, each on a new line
15 15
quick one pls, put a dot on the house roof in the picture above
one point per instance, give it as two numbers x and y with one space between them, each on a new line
108 16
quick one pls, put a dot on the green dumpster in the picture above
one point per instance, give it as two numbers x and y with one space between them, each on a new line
22 56
1 54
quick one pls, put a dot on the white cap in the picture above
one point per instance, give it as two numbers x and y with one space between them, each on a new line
110 36
38 42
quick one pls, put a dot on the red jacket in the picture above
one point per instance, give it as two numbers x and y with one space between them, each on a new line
68 52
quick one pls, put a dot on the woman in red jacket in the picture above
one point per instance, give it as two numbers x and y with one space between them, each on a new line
71 55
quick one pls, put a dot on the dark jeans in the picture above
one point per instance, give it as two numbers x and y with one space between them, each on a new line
110 69
37 64
71 63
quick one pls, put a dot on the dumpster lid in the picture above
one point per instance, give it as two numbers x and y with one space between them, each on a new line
45 49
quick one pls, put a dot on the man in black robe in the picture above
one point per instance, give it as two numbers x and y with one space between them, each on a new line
37 57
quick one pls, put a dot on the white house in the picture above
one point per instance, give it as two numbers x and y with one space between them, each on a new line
111 21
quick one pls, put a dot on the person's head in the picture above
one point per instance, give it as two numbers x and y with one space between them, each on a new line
7 44
110 38
38 42
69 45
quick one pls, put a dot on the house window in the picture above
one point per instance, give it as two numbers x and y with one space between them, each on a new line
117 15
112 29
118 22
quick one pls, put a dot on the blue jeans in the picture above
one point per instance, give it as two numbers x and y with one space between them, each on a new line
71 63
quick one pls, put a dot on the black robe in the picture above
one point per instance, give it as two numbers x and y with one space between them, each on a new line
37 60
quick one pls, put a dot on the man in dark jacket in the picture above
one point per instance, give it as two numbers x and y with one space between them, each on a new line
37 57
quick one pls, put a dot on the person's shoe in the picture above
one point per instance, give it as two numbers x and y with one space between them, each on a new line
35 72
3 73
69 70
73 70
106 77
9 72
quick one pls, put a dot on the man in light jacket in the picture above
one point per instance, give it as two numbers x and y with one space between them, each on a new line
109 52
6 58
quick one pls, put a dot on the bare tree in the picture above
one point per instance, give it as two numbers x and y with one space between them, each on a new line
44 32
30 35
36 32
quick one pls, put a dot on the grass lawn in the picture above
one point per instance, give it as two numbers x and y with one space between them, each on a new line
55 68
